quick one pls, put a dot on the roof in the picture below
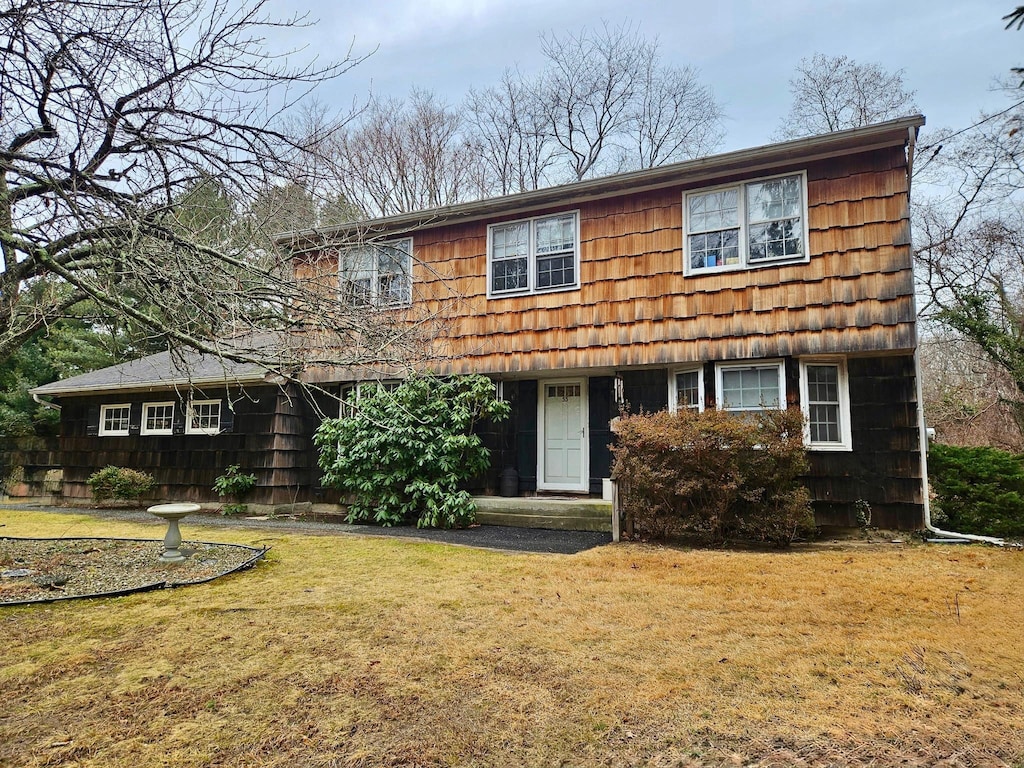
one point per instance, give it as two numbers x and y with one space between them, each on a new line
745 161
163 370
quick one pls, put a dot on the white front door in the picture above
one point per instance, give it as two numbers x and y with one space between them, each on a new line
563 436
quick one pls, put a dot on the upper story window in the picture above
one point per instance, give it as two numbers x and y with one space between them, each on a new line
534 255
114 419
203 417
746 225
377 274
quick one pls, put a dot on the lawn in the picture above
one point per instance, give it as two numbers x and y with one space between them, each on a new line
349 651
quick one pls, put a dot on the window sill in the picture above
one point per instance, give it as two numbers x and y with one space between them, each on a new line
536 292
694 272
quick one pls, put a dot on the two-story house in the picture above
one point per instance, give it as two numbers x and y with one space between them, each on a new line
774 276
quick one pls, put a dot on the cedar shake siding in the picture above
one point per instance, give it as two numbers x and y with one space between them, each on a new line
268 433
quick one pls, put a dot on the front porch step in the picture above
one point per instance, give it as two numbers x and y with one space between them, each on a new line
539 512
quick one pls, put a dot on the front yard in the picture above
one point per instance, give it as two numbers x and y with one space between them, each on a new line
371 652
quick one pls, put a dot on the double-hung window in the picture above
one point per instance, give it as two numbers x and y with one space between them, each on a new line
686 389
377 274
533 256
203 417
114 420
825 401
750 388
746 225
158 418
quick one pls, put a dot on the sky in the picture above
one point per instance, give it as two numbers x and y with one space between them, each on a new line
950 51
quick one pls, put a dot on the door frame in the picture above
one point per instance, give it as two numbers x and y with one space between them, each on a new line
584 484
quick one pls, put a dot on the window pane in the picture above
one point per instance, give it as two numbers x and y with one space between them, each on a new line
748 389
510 241
556 234
159 418
509 275
688 389
555 271
823 403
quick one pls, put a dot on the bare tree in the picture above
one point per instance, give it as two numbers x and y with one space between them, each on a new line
832 93
610 105
112 112
404 156
510 133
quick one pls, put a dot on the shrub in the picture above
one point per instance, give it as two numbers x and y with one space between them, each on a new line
233 483
978 490
714 475
120 483
401 455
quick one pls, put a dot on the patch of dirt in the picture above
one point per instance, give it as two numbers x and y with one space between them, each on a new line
51 569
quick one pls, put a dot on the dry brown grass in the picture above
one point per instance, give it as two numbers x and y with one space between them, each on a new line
377 652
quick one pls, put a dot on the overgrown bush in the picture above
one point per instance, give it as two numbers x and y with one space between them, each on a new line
236 485
978 490
714 475
401 455
119 483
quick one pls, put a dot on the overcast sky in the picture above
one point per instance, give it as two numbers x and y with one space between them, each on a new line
950 50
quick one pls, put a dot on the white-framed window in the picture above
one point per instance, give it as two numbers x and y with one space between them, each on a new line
158 418
534 255
349 394
203 417
825 402
758 223
114 419
686 388
751 387
377 274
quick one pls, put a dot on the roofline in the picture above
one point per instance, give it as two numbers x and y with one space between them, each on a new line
152 386
850 141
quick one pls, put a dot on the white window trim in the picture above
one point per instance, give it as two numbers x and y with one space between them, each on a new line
531 257
719 388
190 412
357 387
845 432
375 302
744 264
145 415
673 393
584 484
114 432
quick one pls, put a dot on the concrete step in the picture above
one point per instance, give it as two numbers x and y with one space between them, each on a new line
582 514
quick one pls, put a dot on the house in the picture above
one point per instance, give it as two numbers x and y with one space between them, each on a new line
779 275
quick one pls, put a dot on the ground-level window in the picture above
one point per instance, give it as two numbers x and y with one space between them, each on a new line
158 418
114 419
350 393
825 401
203 417
686 389
749 388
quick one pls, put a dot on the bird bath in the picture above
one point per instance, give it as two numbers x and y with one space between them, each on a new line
172 513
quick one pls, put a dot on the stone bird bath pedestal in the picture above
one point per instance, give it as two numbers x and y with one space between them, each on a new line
172 513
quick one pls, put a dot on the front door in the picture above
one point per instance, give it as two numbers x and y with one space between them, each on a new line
563 437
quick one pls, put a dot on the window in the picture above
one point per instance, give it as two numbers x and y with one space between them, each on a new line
158 418
377 274
751 388
349 394
535 255
825 401
114 419
686 389
747 225
203 417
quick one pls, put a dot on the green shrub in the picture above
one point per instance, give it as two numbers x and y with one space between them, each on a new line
401 455
233 483
978 490
714 475
119 483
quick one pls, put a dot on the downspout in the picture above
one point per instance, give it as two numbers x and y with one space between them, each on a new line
922 428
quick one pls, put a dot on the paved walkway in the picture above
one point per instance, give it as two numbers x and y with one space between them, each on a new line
485 536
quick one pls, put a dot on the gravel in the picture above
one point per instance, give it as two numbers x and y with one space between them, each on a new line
51 569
